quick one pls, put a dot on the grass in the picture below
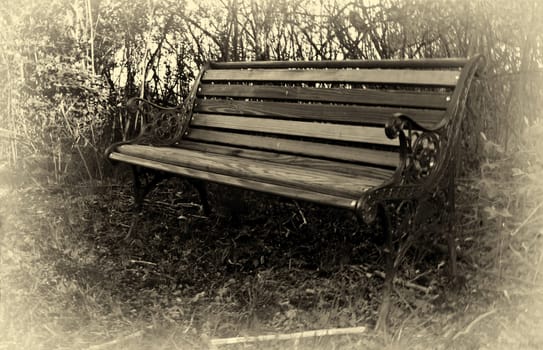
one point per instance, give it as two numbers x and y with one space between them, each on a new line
80 270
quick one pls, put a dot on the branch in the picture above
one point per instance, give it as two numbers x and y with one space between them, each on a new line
290 336
470 326
527 219
425 290
206 32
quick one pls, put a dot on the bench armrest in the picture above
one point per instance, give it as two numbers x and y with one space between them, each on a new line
422 163
161 126
421 150
399 121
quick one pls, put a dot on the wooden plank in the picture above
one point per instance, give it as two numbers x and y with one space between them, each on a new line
312 149
327 182
380 76
431 63
336 95
377 116
289 192
282 158
365 134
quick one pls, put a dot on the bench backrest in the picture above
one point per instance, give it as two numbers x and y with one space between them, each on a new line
333 110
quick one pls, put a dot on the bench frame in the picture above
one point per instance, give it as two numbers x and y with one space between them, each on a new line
423 181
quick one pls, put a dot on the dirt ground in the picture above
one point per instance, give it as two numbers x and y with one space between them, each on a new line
81 270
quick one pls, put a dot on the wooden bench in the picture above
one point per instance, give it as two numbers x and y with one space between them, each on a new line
379 138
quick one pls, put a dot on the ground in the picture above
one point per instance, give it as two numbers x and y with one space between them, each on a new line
80 269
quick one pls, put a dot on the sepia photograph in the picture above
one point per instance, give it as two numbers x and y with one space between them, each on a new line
271 174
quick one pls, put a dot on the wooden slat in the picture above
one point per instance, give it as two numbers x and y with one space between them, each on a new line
279 174
320 112
328 131
290 192
313 149
380 76
282 158
335 95
431 63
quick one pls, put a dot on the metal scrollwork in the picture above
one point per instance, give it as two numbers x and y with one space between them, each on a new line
161 126
420 149
424 155
366 207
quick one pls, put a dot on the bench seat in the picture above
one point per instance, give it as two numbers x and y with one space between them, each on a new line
317 180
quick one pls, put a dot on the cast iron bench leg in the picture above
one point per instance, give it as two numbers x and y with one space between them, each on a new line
202 193
144 181
390 269
451 215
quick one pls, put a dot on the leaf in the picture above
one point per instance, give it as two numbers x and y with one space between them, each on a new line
517 172
290 314
493 212
492 148
197 297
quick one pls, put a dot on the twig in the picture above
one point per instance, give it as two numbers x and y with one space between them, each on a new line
198 216
527 219
407 284
470 326
119 340
190 324
142 262
538 266
301 214
290 336
189 204
50 330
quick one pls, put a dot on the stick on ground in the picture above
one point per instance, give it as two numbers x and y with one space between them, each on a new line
425 290
290 336
475 321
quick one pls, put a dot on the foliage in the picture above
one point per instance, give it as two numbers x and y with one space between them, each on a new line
57 107
510 194
72 64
